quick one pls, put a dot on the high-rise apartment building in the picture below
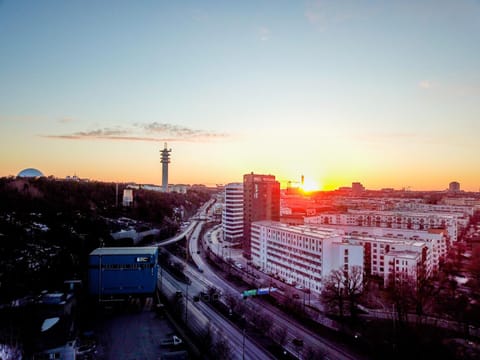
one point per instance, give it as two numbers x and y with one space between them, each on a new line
261 197
454 187
232 216
357 189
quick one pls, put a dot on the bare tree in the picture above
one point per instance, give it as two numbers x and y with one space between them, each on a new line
333 294
400 293
280 334
353 284
314 353
342 289
263 322
206 339
231 300
221 349
240 308
178 303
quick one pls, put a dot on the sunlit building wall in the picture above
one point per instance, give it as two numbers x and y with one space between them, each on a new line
127 197
382 247
261 196
301 255
232 215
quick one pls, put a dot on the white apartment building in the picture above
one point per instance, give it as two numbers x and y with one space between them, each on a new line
403 265
232 215
434 239
464 211
462 201
396 253
391 219
381 254
302 255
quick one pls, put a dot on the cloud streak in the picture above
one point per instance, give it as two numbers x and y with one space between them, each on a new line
65 120
264 33
153 131
323 14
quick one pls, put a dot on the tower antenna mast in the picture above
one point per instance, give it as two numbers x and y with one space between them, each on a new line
165 160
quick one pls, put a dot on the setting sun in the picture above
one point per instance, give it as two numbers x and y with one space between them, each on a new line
309 185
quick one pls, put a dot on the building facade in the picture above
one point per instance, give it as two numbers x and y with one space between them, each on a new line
123 271
232 214
301 255
454 186
397 253
392 219
261 197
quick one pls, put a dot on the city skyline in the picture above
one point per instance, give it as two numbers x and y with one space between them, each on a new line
386 94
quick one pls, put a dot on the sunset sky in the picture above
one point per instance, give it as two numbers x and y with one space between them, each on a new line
382 92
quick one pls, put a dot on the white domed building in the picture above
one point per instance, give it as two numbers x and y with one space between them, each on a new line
30 173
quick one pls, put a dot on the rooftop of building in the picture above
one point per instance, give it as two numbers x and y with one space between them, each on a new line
387 232
151 250
402 213
316 231
404 254
389 241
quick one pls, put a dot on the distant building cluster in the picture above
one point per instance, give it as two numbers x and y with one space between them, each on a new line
390 237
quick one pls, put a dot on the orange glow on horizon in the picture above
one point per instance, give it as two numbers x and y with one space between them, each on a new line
310 185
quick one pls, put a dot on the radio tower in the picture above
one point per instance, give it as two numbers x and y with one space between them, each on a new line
165 160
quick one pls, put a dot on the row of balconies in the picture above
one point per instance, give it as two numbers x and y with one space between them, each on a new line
296 249
295 265
288 253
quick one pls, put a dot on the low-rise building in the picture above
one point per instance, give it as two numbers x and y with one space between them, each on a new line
123 271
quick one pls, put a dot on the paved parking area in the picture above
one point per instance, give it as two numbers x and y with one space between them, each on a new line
133 332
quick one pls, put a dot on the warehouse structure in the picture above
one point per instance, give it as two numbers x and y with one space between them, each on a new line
123 271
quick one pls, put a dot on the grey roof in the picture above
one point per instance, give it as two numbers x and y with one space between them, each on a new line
125 250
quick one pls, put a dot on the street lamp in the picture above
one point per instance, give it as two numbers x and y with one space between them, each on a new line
186 304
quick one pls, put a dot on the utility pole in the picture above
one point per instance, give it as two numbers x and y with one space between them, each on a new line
243 345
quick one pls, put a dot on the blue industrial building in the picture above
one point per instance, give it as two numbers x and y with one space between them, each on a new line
123 271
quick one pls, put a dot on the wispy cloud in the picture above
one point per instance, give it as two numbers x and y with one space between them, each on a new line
143 132
313 12
425 84
466 88
199 15
324 13
380 137
65 120
264 33
178 131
